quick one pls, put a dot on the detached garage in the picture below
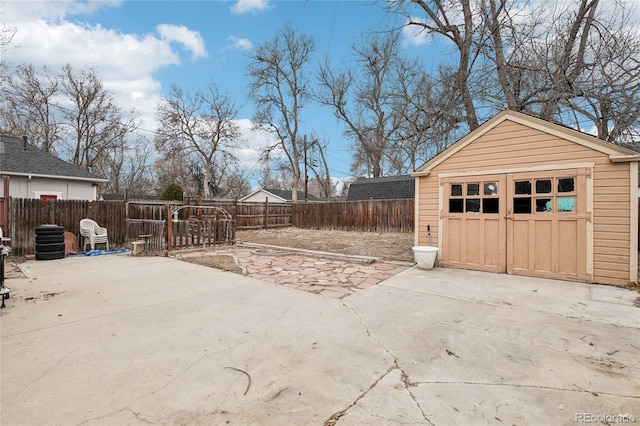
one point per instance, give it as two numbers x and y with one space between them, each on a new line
524 196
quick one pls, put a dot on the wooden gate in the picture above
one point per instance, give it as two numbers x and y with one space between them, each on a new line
212 225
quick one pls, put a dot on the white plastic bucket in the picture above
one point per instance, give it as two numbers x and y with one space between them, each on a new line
425 256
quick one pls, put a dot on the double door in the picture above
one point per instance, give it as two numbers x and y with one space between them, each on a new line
527 223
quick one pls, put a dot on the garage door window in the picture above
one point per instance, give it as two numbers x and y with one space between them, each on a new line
474 197
545 195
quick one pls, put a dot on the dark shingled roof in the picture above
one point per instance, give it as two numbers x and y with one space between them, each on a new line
287 195
382 188
15 159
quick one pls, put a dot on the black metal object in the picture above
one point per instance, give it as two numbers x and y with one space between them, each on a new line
4 250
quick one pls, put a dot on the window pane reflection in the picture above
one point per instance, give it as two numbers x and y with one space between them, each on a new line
566 204
543 205
543 186
566 185
523 187
473 205
491 188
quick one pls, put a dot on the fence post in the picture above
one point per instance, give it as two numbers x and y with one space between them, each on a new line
234 216
266 212
169 227
294 215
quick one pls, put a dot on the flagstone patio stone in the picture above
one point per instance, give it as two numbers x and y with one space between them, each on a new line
328 277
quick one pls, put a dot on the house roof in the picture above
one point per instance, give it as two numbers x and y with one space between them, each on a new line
282 194
22 159
382 188
615 152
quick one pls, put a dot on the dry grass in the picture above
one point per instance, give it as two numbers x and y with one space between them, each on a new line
388 246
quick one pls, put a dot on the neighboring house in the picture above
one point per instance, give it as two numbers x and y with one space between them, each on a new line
524 196
34 173
275 196
382 188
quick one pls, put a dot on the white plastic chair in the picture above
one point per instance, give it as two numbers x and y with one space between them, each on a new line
93 234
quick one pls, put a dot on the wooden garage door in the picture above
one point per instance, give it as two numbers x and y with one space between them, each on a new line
546 224
531 223
474 223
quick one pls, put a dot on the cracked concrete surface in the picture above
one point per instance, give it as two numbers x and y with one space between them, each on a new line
159 341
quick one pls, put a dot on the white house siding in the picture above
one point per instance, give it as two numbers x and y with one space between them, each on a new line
259 197
64 189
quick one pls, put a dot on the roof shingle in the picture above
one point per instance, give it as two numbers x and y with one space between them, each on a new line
382 188
18 157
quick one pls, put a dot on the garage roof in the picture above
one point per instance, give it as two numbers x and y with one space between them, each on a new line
616 153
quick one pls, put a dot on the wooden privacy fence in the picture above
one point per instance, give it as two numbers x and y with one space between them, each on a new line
27 214
367 216
196 223
247 215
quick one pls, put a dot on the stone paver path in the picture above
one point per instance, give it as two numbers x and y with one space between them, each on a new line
329 277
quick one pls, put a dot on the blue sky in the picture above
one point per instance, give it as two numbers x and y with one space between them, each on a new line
140 48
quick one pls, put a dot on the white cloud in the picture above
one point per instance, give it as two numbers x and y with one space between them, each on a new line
240 43
125 62
26 11
250 6
191 40
415 35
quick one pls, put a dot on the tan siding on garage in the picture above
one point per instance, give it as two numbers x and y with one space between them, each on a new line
511 145
611 222
427 211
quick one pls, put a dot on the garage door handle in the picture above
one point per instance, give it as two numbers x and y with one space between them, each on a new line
509 217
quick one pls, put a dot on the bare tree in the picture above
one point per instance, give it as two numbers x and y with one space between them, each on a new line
577 63
279 87
174 168
202 124
235 186
597 73
264 175
7 33
366 100
316 162
126 166
97 123
29 107
458 22
431 114
71 115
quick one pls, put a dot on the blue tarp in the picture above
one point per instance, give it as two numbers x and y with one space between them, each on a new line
101 252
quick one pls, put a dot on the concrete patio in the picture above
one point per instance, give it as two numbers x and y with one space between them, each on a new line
150 340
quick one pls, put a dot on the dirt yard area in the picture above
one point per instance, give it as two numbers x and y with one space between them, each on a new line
386 246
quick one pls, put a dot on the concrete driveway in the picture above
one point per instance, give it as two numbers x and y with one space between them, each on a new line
117 340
